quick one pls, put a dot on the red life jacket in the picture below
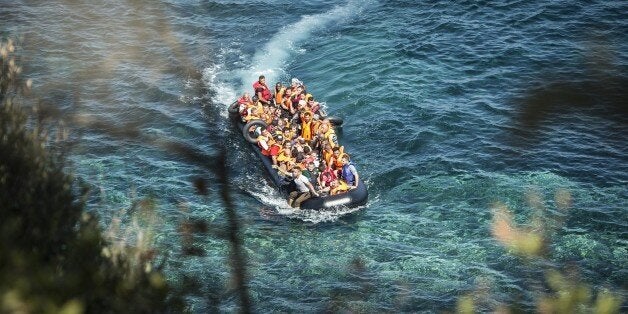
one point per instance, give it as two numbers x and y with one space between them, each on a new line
327 176
264 89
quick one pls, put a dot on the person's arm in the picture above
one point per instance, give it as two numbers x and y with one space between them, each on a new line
263 144
355 174
311 187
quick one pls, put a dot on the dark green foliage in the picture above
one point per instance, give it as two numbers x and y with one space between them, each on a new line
51 251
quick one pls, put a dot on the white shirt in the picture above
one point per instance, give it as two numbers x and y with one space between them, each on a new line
301 182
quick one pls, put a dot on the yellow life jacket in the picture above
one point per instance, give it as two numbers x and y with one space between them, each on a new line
341 187
330 136
306 130
283 157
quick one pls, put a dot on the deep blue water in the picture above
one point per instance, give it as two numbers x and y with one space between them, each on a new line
449 108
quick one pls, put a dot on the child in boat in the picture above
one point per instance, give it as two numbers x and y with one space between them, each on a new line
326 176
336 186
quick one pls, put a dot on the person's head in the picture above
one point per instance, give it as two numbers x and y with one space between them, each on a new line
279 138
288 91
278 86
310 166
300 157
345 159
296 170
324 127
307 116
262 79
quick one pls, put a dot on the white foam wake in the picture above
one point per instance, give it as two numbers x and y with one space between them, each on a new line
271 59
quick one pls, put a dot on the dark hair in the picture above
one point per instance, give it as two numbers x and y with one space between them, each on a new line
300 157
261 77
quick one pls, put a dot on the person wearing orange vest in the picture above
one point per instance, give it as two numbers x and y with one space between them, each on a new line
307 128
327 133
279 91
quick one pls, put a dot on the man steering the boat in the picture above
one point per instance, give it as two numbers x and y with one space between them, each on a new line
304 190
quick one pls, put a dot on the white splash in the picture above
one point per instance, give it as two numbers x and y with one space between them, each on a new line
271 59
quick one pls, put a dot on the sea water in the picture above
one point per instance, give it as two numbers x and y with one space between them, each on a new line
449 109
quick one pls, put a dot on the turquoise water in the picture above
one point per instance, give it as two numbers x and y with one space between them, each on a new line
438 102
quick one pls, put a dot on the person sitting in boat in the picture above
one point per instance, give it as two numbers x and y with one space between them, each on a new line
327 133
297 98
269 115
313 105
326 176
295 82
262 91
338 186
307 126
349 174
311 172
309 156
285 160
243 103
286 103
299 112
304 190
336 159
290 132
279 92
253 113
327 153
269 145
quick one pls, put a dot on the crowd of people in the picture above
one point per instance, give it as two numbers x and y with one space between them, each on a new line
299 140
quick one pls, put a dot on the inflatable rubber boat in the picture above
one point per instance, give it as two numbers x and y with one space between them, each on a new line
352 198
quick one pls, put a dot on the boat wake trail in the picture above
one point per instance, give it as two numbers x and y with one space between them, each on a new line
271 59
